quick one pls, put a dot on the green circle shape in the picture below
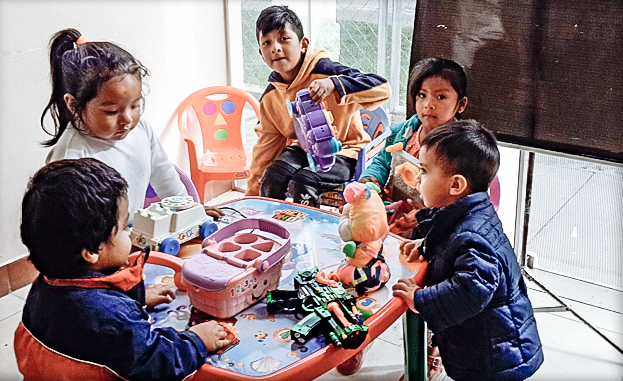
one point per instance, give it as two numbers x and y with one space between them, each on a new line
221 134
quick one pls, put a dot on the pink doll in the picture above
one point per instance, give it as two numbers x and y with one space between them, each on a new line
363 227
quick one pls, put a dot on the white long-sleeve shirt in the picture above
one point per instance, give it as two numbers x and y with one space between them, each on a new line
139 157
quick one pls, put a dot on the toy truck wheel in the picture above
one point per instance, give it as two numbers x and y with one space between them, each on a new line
170 246
207 228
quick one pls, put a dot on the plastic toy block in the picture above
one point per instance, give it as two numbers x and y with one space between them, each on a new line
316 135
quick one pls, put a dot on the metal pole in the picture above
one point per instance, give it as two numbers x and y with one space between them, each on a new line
394 73
381 61
524 239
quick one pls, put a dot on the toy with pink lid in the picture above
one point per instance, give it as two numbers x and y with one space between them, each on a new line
236 269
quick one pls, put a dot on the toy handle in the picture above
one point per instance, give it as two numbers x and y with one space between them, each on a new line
162 259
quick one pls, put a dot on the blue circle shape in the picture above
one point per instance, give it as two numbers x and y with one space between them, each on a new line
228 107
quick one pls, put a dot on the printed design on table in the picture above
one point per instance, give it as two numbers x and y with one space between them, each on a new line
266 364
288 215
367 303
181 313
282 335
247 211
166 279
332 237
226 363
261 336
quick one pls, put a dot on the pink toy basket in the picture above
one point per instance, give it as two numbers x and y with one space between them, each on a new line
235 270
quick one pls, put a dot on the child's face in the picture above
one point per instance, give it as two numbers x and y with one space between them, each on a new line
114 253
116 109
437 102
433 181
282 51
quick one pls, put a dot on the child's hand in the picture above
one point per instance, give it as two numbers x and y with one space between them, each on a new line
409 249
370 179
214 212
405 288
320 89
158 294
212 334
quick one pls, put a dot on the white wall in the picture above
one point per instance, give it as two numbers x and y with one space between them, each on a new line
182 43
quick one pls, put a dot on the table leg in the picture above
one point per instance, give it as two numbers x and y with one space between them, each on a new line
414 336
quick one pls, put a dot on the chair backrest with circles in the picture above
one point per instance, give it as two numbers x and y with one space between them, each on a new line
220 119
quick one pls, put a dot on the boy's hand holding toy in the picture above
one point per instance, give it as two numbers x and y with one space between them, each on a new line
320 89
212 333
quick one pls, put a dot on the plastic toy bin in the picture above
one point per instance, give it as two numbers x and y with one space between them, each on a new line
236 269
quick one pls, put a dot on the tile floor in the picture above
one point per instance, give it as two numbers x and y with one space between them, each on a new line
572 350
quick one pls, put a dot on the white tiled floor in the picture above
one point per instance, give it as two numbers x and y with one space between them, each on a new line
572 350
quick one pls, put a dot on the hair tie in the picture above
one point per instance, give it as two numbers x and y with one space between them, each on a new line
82 40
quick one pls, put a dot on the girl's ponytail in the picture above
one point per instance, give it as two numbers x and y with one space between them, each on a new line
60 43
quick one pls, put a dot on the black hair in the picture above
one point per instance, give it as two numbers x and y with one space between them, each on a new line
70 205
438 67
277 17
81 70
466 148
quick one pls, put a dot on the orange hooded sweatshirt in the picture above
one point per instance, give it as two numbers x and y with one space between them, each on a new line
354 90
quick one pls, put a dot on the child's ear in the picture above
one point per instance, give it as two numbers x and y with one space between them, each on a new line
70 102
462 105
304 45
459 185
89 257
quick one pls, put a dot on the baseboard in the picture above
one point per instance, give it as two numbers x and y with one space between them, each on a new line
17 273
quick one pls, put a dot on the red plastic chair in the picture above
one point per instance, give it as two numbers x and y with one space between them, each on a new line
223 156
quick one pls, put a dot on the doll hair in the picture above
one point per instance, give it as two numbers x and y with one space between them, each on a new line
80 69
70 205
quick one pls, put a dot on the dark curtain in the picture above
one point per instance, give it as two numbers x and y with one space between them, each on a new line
545 74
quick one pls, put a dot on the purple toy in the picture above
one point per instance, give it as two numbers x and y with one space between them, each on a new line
314 131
